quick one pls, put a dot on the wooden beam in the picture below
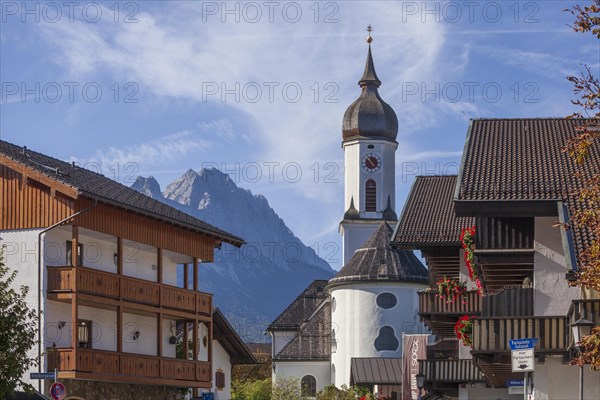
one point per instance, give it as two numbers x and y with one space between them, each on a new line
185 340
195 339
185 276
195 283
159 338
120 328
159 265
119 256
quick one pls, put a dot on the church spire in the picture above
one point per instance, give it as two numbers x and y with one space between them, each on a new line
369 76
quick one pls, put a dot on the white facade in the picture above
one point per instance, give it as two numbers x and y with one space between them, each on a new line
221 362
358 320
320 370
355 234
139 331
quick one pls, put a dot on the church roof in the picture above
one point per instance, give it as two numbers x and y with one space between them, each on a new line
376 260
369 116
375 371
301 308
313 341
428 218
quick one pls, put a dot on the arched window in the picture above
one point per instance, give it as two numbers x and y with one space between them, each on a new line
309 386
386 339
333 374
333 341
370 195
386 300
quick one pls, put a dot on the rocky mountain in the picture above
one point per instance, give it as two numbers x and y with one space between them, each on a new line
251 285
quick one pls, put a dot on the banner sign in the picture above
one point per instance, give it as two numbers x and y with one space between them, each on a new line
414 348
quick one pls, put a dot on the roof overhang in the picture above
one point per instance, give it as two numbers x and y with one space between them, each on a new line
375 371
506 208
235 347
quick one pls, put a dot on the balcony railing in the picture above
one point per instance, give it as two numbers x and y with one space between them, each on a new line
106 284
491 334
132 368
450 371
430 303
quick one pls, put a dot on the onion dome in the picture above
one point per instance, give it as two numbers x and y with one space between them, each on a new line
369 116
378 261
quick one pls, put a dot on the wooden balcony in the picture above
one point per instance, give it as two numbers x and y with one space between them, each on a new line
129 368
491 334
450 371
62 281
441 316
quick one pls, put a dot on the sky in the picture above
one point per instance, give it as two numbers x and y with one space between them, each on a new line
259 89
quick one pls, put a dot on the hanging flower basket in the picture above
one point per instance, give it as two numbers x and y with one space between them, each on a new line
467 238
464 330
450 289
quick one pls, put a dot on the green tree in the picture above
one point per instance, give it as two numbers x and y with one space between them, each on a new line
18 329
286 388
587 88
251 390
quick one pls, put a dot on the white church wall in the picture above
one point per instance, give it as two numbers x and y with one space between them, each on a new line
355 235
357 321
298 369
552 292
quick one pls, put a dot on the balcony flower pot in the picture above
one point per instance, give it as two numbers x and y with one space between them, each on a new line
173 340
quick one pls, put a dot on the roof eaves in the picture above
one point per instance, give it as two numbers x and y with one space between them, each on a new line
463 160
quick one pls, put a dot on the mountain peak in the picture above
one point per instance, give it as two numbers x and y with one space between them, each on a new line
148 186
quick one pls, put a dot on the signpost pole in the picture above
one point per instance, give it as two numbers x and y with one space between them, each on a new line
55 375
525 386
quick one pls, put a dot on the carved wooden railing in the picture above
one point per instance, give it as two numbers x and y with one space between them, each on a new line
491 334
103 363
106 284
469 303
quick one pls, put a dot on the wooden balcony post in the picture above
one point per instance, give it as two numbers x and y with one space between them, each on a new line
195 264
119 256
185 276
120 328
195 338
159 335
185 339
74 308
159 265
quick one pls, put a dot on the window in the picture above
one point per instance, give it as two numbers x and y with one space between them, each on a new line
220 379
333 374
309 386
79 253
370 195
333 341
386 339
333 304
84 334
386 300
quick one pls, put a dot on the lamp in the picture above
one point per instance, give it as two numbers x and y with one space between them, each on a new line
580 328
420 382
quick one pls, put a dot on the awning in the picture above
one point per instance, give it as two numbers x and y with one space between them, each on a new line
376 371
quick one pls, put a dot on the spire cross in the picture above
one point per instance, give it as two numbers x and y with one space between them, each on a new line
369 38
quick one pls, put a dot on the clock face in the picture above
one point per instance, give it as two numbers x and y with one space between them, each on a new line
371 162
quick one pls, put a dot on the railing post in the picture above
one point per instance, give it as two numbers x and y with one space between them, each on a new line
74 308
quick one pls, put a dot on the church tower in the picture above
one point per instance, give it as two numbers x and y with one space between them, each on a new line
370 127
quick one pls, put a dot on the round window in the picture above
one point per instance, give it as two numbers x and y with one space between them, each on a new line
386 300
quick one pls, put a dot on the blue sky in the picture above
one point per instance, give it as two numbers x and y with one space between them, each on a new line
259 89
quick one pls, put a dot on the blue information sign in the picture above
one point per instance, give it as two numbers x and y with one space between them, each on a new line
515 382
42 375
520 344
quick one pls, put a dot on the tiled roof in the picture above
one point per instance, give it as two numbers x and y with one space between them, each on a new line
520 159
428 218
376 260
523 159
97 186
301 308
313 341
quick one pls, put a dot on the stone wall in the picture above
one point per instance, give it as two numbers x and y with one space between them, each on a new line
94 390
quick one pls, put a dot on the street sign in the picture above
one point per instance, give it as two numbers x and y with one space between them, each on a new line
515 386
520 344
522 360
42 375
58 391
